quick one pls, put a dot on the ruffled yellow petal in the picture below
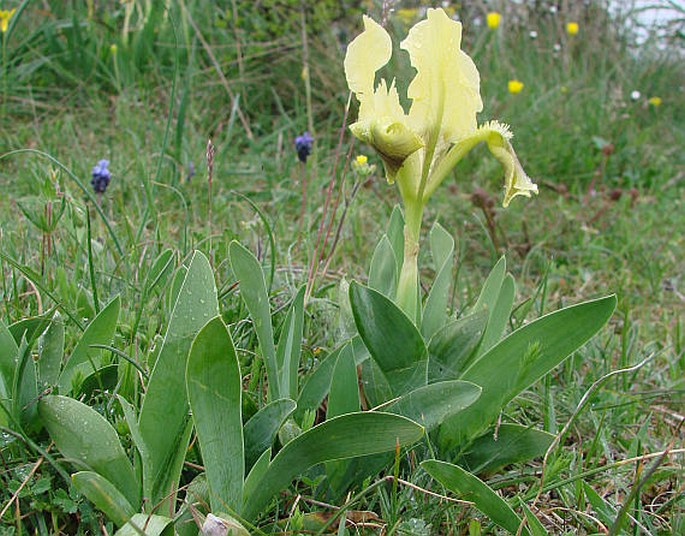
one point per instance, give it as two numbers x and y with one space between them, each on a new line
382 124
367 53
386 102
445 92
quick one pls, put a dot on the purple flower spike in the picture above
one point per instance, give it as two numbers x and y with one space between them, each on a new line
303 146
101 177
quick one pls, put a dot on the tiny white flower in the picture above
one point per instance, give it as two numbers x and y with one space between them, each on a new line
552 9
635 95
557 47
533 34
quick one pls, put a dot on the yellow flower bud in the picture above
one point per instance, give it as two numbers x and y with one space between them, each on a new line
655 101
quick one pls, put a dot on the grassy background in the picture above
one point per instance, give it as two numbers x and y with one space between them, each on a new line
146 87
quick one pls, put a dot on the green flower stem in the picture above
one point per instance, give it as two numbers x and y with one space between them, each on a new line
408 286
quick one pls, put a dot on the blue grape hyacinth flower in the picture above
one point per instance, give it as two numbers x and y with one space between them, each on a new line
303 146
101 177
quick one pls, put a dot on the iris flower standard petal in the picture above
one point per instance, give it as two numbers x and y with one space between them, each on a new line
445 92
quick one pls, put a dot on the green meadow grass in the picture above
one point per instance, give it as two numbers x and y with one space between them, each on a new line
609 218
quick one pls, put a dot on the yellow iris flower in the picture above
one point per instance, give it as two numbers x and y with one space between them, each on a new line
5 16
420 147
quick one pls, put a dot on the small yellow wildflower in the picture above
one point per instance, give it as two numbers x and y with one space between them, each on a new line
5 16
655 101
361 165
515 86
572 28
493 19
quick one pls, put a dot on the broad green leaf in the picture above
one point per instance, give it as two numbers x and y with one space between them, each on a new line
431 404
84 304
30 328
470 488
391 337
85 438
8 361
335 439
453 347
103 379
175 288
395 233
132 422
214 392
375 386
318 384
25 388
104 495
499 315
163 421
290 347
149 525
383 271
85 359
261 430
250 275
435 310
343 475
521 359
343 398
254 477
514 444
51 351
344 395
490 291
